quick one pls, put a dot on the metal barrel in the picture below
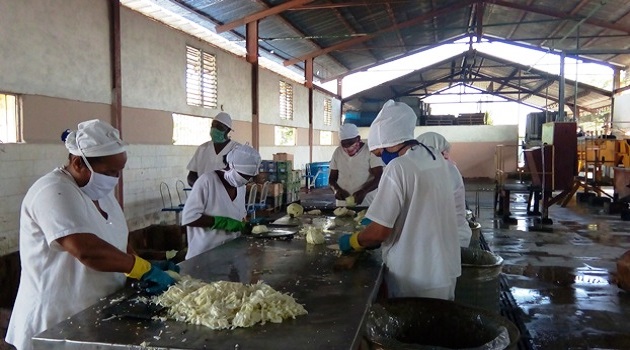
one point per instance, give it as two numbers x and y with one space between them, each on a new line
478 285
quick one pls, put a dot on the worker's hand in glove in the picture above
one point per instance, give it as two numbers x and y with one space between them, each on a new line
158 280
365 221
341 194
359 196
350 243
165 265
227 224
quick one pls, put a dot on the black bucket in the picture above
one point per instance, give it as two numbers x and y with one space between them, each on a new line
478 285
426 323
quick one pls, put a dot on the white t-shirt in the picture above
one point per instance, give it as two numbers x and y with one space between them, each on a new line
459 191
54 285
355 171
206 158
209 197
423 251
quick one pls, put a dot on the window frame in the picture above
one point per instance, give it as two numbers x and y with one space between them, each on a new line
11 123
285 100
327 111
202 85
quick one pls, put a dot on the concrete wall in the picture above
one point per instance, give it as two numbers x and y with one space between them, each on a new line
56 56
473 146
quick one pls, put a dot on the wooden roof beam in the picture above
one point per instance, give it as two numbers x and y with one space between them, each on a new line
260 15
509 36
361 39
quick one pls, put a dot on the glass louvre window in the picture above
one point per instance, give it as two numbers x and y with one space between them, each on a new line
9 119
327 112
286 101
201 78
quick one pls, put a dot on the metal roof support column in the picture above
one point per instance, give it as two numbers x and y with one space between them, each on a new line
308 76
116 107
251 43
561 89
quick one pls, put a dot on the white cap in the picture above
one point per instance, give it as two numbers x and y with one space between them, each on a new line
435 140
95 138
244 159
224 119
348 131
393 125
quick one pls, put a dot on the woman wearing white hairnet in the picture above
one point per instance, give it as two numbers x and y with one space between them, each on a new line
354 171
209 155
73 237
439 143
411 216
215 207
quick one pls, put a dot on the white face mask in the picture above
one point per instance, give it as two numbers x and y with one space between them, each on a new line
234 178
99 185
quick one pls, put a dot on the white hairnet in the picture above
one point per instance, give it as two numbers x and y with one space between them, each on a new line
224 119
348 131
435 140
96 139
393 125
244 159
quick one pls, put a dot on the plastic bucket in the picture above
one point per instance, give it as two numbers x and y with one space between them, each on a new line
319 173
478 285
425 323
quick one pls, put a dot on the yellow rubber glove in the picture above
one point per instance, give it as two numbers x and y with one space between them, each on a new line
140 267
350 242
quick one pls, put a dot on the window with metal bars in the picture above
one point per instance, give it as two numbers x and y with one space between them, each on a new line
327 112
201 78
9 119
286 100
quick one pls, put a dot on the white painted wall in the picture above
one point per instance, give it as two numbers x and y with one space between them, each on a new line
55 48
318 112
621 112
269 102
147 166
154 70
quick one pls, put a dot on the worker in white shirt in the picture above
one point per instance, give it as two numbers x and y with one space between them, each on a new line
73 237
354 171
443 147
215 209
209 155
412 215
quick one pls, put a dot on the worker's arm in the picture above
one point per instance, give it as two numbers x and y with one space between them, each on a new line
373 235
203 221
96 253
369 185
192 177
340 193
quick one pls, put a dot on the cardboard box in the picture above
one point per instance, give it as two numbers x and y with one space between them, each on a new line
283 156
275 189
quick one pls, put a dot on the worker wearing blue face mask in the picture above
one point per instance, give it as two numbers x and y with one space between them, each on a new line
73 237
413 213
215 208
209 156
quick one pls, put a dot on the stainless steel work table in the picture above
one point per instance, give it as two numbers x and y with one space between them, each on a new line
336 301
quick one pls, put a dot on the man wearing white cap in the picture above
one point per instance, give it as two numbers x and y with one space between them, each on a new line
215 209
73 237
411 215
440 145
209 155
354 171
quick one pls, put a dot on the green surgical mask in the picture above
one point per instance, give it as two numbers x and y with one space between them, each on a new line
217 135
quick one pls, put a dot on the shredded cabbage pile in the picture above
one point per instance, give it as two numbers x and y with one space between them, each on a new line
227 305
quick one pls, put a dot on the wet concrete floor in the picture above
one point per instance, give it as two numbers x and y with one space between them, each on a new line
561 275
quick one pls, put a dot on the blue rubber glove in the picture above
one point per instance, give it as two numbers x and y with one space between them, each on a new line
350 243
165 265
158 280
366 221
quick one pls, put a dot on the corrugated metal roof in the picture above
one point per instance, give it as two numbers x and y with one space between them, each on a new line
490 74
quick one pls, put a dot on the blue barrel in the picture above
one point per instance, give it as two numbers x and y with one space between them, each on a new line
321 170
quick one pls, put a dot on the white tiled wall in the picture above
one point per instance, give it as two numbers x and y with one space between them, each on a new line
147 166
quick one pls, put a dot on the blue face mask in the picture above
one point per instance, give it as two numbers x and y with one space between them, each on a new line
387 156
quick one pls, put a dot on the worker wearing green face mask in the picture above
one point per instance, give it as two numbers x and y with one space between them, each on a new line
209 156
